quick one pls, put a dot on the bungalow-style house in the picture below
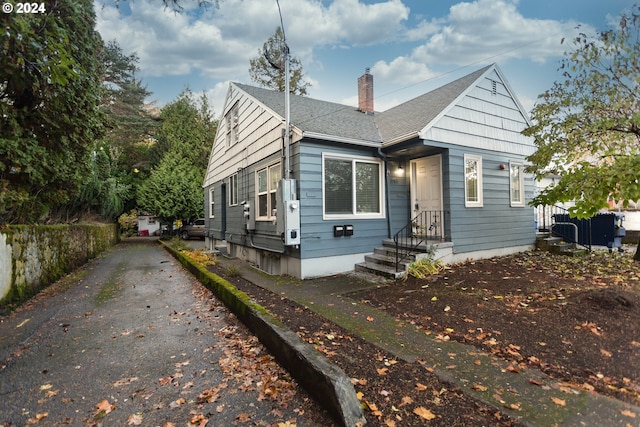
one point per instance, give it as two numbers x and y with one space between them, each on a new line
445 170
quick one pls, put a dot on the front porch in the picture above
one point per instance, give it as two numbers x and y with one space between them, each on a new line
424 236
384 261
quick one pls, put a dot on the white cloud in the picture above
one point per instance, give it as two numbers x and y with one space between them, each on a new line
402 70
220 41
424 29
484 30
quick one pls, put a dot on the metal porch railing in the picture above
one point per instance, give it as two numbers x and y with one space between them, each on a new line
557 221
426 226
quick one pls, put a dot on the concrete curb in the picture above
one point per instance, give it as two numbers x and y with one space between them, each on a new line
326 382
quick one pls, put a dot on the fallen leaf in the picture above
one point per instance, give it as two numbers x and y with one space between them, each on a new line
104 407
406 400
125 381
134 420
369 319
558 401
424 413
605 352
382 371
177 403
628 413
21 324
421 387
514 406
46 387
479 387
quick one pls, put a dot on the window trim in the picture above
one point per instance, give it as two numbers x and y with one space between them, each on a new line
473 203
231 122
517 203
268 193
233 190
354 214
212 202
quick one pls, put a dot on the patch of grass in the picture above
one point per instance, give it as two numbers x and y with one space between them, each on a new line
178 244
425 267
232 270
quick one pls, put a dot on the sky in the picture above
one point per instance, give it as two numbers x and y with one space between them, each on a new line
410 46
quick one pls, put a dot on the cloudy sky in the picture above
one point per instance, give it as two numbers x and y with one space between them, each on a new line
411 46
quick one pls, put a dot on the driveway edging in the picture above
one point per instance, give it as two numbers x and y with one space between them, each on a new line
322 379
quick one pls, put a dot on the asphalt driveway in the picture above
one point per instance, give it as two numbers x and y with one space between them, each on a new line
132 339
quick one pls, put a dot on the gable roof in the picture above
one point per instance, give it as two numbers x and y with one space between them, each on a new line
408 119
314 117
338 122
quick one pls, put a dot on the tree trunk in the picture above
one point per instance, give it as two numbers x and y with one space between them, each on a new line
636 257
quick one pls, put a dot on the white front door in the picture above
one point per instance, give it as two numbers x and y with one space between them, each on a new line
426 193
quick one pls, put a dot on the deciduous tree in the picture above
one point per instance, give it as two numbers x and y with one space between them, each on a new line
587 126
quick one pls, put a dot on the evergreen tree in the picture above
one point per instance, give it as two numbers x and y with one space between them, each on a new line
50 93
267 69
174 188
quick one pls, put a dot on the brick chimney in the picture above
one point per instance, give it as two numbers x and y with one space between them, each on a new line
365 92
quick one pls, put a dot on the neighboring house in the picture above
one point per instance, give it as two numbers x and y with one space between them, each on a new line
148 225
456 153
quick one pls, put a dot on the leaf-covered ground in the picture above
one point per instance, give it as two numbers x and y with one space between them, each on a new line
574 318
578 319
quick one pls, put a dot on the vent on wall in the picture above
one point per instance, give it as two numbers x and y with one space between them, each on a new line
494 87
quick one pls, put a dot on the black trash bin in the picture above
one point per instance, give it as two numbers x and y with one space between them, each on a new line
607 230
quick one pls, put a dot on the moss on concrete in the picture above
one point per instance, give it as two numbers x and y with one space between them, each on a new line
38 255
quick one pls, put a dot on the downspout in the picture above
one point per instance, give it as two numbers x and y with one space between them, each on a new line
386 191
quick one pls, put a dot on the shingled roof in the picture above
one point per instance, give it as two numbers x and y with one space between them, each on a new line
409 118
338 121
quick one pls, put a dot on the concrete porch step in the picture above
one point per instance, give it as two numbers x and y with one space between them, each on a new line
388 260
379 270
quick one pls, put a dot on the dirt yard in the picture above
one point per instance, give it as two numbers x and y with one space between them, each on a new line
576 319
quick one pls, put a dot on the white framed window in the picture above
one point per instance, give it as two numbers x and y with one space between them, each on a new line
212 202
233 189
266 186
472 181
516 184
231 121
352 187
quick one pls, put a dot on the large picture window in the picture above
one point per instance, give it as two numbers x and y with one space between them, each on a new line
266 185
233 189
472 181
516 184
352 187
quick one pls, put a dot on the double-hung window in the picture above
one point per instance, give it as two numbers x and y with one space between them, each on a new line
231 122
212 203
233 189
516 184
266 185
352 187
472 181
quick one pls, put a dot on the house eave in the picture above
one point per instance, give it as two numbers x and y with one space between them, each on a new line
341 139
399 139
